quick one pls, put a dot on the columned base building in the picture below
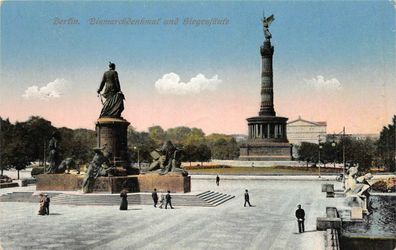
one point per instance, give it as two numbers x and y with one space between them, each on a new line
267 136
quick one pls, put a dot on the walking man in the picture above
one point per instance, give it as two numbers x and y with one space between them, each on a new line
247 198
168 198
46 204
300 214
155 197
217 180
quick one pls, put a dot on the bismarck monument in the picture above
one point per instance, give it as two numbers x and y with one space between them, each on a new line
110 169
111 128
267 139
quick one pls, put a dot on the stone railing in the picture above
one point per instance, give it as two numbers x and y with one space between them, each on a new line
332 241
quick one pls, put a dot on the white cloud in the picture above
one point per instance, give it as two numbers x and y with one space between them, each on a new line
49 91
321 83
170 84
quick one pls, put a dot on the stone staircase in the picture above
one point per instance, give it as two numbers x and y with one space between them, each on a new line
19 197
205 199
215 198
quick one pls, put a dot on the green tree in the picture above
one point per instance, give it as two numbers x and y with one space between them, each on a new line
223 147
386 146
157 134
196 136
190 153
140 142
18 153
78 144
178 135
37 133
203 153
6 134
308 152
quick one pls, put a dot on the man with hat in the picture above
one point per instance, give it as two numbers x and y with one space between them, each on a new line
46 204
300 215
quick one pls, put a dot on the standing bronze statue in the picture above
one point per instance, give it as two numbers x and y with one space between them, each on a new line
114 103
54 157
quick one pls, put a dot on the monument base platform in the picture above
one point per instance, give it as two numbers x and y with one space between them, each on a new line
175 183
265 151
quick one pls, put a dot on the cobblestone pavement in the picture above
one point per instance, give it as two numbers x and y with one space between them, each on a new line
269 224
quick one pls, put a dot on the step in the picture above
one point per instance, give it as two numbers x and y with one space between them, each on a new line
223 201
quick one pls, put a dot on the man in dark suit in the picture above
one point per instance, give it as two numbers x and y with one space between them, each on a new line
300 215
217 180
155 197
168 198
247 198
47 201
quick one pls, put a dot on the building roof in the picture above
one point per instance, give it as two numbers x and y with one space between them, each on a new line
321 123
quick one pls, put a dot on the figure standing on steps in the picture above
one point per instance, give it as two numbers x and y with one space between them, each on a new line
217 180
300 215
155 197
168 198
247 198
114 104
124 201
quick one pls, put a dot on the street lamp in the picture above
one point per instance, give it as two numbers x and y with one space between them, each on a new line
137 156
333 145
343 157
320 147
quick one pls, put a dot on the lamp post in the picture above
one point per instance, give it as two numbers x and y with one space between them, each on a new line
333 145
343 154
138 156
343 157
44 159
394 135
320 147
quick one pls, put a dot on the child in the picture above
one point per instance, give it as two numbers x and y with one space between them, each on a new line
162 199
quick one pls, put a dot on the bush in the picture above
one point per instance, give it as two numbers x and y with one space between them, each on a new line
37 171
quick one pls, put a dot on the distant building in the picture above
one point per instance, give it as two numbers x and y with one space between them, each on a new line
301 130
362 137
240 138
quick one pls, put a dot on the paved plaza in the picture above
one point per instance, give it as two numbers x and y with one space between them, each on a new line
269 224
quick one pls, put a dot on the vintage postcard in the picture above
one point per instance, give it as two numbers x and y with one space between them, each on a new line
198 124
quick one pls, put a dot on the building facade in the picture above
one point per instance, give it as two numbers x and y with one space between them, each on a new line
301 130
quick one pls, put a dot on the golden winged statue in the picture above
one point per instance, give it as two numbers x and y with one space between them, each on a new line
266 23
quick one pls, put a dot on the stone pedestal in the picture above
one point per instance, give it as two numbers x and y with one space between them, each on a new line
172 182
59 182
111 133
114 184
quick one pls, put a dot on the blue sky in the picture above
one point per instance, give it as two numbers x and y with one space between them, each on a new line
345 40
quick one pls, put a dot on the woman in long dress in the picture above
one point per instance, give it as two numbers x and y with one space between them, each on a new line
124 201
42 206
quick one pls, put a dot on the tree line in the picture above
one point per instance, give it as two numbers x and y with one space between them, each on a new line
24 142
195 145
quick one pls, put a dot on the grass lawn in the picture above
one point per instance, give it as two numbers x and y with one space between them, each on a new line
265 170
